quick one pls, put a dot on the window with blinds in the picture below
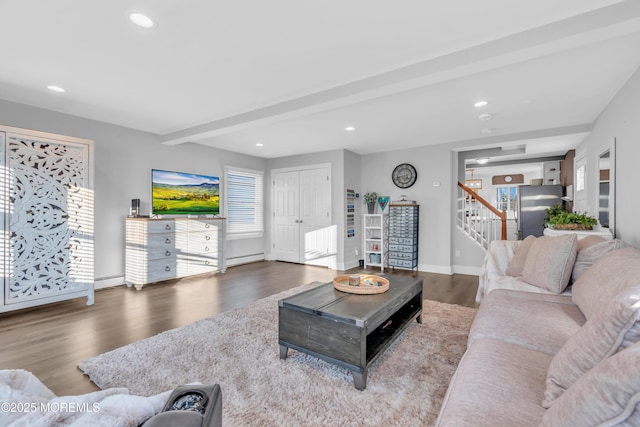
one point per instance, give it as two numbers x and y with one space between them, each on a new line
244 203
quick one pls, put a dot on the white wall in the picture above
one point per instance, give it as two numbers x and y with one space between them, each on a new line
433 165
123 162
352 181
619 120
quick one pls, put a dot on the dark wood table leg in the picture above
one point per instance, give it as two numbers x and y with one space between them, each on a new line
360 379
419 318
283 351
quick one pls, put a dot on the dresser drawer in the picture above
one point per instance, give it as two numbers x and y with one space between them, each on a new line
401 240
202 264
163 269
204 238
401 263
402 255
200 225
411 234
162 253
167 240
403 248
203 248
166 226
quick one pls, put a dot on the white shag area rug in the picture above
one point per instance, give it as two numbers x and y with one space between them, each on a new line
239 350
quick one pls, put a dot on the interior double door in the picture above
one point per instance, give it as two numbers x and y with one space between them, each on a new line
302 231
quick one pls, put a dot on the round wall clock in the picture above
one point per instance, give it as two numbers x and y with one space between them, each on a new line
404 175
508 178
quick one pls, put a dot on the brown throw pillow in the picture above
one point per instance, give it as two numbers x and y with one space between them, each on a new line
550 262
516 265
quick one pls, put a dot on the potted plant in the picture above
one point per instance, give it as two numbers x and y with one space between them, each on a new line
560 219
370 199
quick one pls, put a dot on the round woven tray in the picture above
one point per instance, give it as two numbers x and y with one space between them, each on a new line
369 284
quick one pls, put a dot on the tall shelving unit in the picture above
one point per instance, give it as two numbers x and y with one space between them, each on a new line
376 244
403 236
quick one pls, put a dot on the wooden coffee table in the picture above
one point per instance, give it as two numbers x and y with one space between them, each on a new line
347 329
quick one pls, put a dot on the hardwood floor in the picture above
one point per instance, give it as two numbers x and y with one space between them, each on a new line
51 340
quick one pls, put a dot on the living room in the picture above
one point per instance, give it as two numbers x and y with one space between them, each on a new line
125 154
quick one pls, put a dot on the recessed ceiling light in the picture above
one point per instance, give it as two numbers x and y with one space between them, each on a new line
55 88
488 130
482 160
350 128
480 104
485 117
141 20
259 144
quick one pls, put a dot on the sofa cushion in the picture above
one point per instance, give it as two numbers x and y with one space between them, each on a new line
613 274
588 241
540 322
607 395
550 261
588 255
496 384
516 265
617 327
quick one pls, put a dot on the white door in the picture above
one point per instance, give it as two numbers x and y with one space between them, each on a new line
302 229
318 237
286 222
580 184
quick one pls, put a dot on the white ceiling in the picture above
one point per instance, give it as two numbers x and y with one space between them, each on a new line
293 74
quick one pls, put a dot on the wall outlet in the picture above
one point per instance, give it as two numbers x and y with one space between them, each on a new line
356 252
457 252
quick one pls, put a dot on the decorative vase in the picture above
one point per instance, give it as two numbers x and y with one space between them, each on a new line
371 206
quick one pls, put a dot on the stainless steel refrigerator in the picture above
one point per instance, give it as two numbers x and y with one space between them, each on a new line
532 202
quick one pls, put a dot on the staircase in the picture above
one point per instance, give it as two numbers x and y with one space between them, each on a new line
478 219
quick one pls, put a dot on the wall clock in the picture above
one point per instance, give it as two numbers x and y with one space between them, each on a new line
404 175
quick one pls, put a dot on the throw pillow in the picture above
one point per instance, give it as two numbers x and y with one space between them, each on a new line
607 395
589 241
590 254
550 262
516 265
617 327
613 274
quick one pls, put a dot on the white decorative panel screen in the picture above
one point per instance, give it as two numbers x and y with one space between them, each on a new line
49 220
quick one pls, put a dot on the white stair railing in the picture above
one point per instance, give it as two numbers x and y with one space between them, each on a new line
478 219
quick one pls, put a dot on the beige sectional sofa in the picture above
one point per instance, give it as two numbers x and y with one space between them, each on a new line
548 356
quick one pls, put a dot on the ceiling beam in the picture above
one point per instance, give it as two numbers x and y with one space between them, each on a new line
601 24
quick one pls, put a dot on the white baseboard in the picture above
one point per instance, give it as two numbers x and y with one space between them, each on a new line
245 259
465 269
439 269
108 282
348 265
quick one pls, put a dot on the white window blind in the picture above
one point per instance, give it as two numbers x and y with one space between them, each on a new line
244 203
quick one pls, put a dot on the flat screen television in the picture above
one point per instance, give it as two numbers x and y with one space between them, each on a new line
178 193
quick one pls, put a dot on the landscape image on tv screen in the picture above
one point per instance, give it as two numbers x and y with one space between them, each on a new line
177 193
